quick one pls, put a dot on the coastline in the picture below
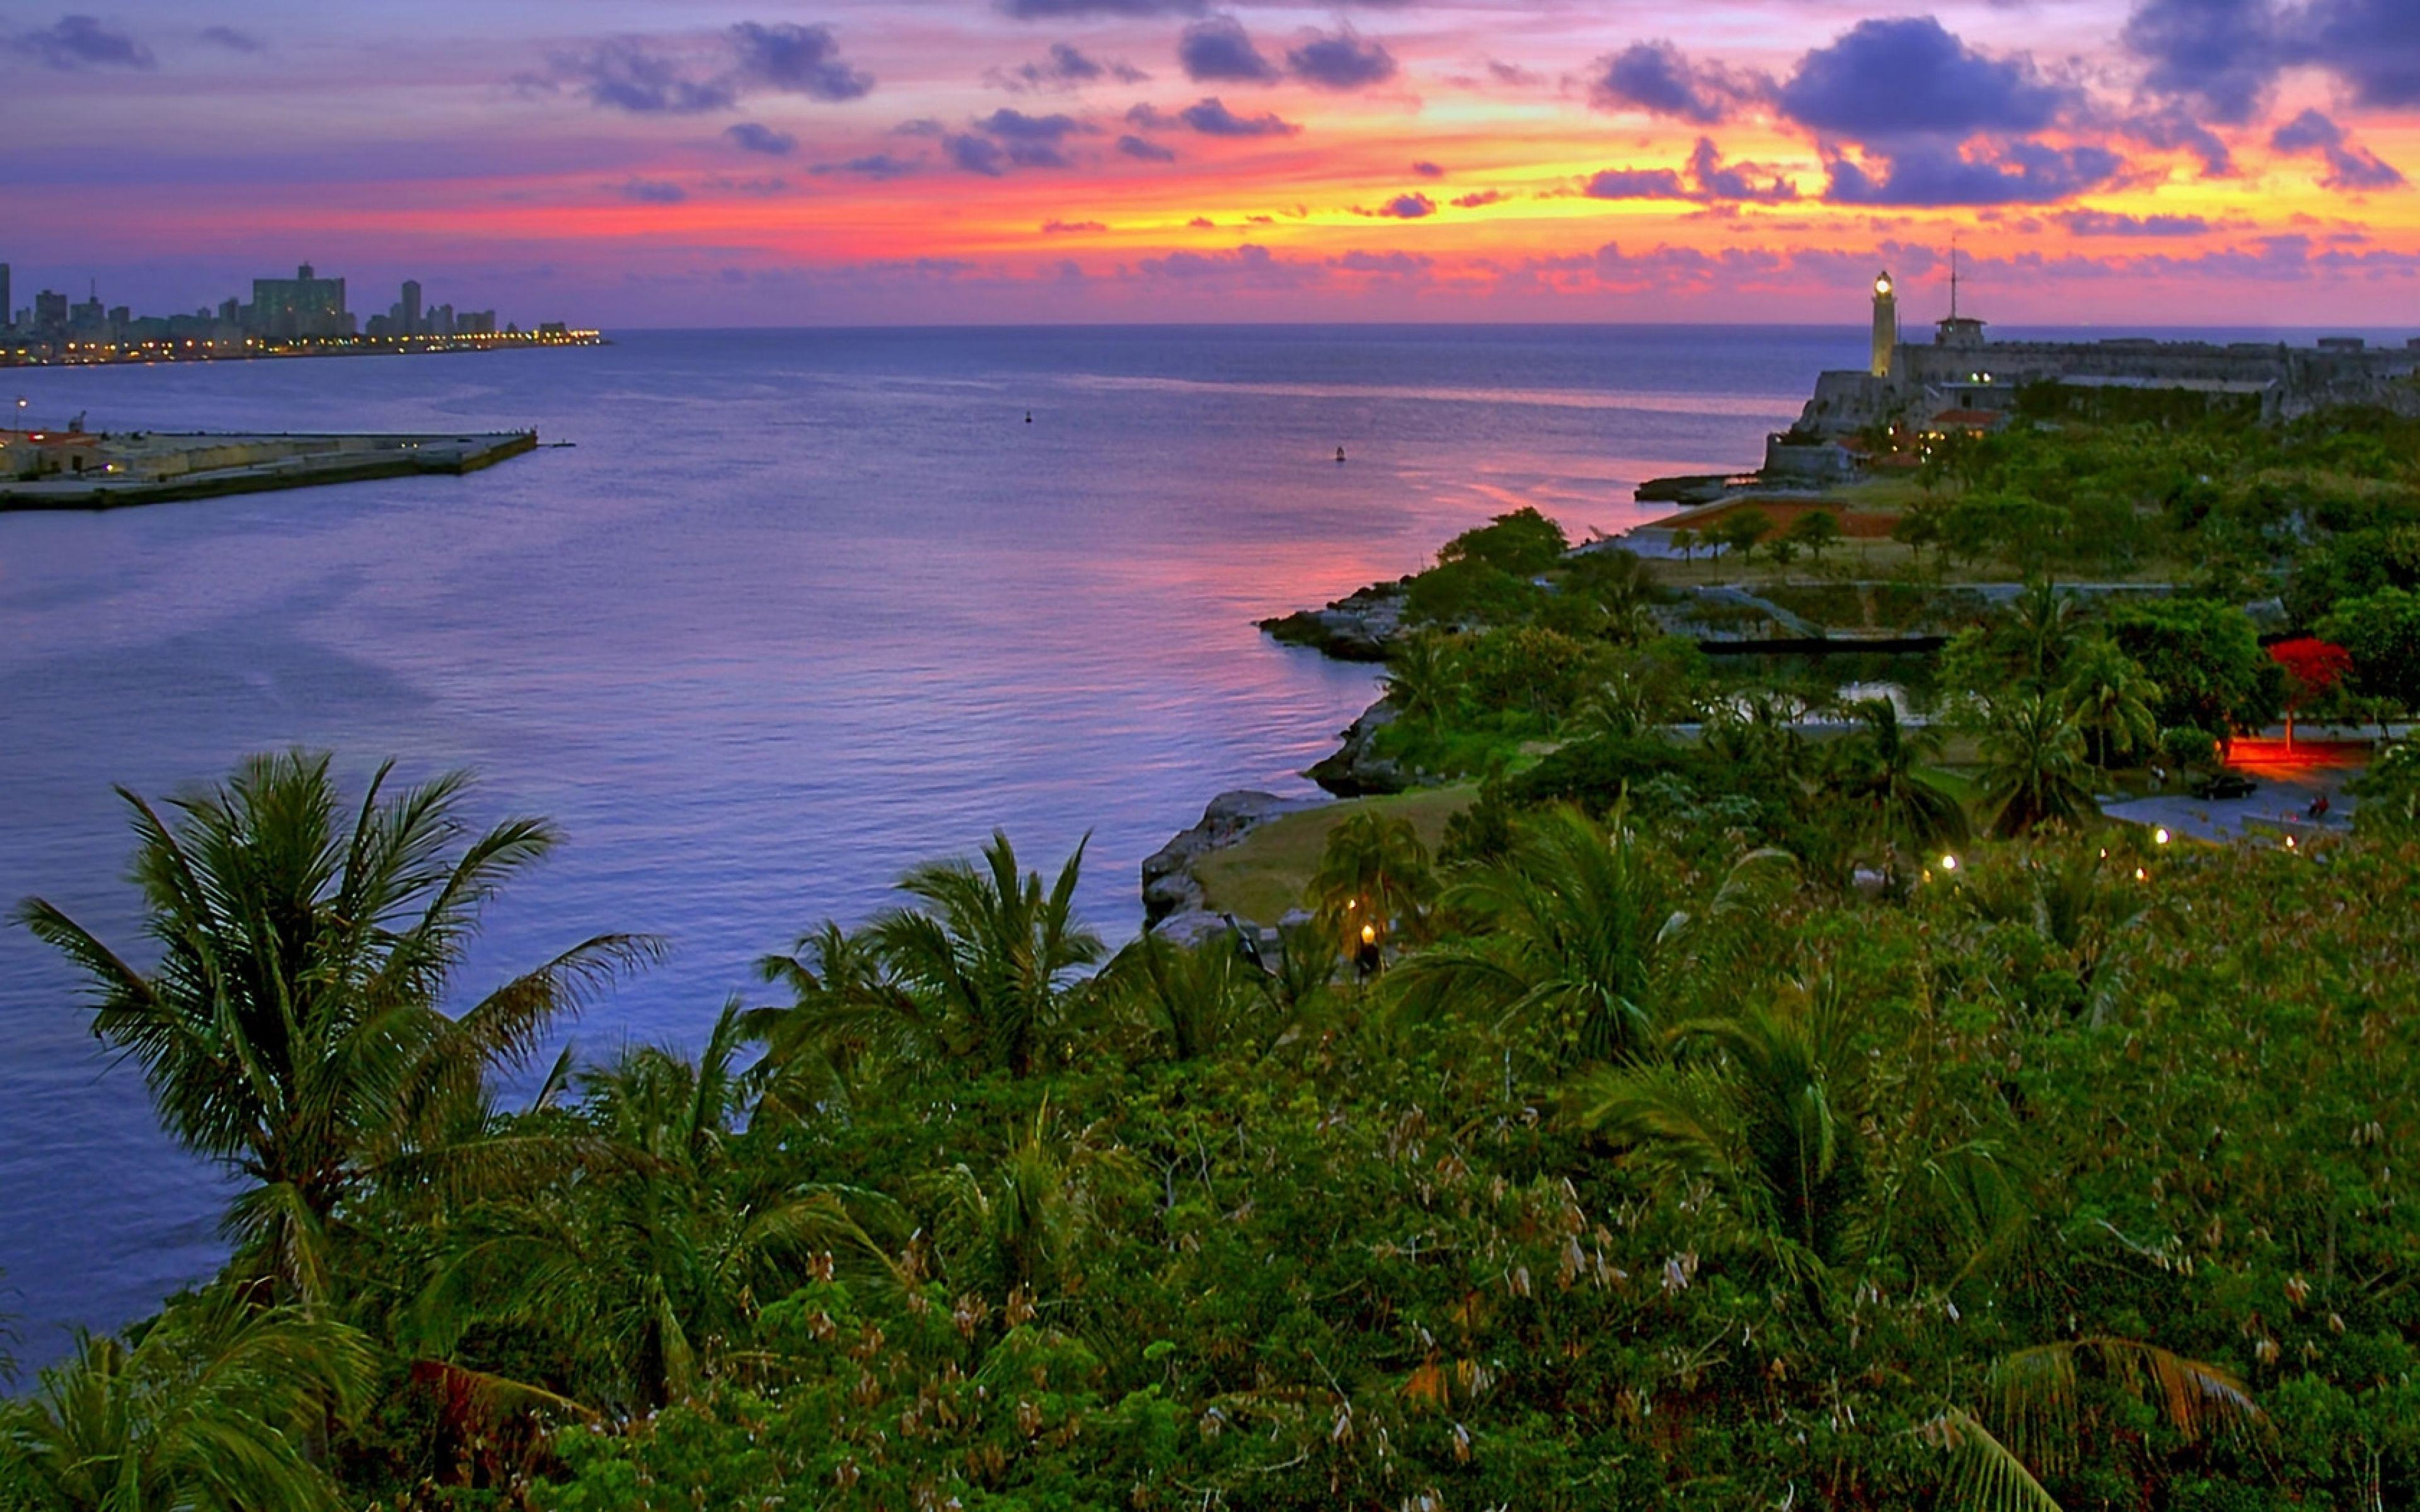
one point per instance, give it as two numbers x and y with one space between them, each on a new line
152 468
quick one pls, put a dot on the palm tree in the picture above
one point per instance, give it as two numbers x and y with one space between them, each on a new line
1374 880
2034 770
974 974
1881 770
291 1030
1018 1231
1424 677
647 1272
2041 1417
1764 1104
214 1407
1191 1002
2076 904
2042 623
1580 940
838 981
2111 699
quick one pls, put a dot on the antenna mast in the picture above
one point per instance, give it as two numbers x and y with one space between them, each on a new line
1953 278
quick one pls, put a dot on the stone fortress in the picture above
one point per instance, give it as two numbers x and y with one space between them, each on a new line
1963 380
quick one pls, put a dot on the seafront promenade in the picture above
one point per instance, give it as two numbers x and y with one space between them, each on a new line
75 469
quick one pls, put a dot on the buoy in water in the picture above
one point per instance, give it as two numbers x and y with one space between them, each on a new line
1029 417
1340 457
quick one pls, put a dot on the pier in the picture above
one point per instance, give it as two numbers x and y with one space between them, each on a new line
75 469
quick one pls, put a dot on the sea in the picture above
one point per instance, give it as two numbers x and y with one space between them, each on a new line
771 617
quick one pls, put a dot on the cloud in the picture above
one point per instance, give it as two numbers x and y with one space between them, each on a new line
76 43
1428 170
1248 266
1404 208
1910 78
2091 222
2351 168
233 39
1934 176
751 137
880 166
796 60
1201 222
2373 45
2219 54
1473 201
652 192
2173 129
1057 227
1341 62
977 155
1706 180
1636 183
1065 9
1513 75
1135 147
921 126
1657 78
1736 183
1211 118
1064 69
627 73
1017 126
1219 49
1386 264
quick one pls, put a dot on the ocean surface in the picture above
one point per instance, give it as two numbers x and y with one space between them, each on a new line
796 610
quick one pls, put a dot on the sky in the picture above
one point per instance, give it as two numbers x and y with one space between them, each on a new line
690 163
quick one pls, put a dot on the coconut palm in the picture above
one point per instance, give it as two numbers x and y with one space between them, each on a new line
1190 1002
1018 1229
1374 880
2040 1411
1764 1104
1881 772
215 1407
647 1272
1424 677
2034 770
974 973
814 1046
292 1030
2043 630
2112 701
1581 943
2075 902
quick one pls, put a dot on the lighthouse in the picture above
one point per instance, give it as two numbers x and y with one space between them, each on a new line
1885 325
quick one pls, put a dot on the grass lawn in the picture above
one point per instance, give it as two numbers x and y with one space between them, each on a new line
1262 877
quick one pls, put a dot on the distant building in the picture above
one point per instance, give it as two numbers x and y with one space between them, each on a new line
1963 381
306 306
1885 324
410 314
8 311
49 314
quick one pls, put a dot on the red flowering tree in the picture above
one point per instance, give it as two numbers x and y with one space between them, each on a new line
2313 667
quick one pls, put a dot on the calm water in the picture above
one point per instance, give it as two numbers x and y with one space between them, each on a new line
799 609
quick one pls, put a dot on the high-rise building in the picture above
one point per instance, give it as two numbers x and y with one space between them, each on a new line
8 311
49 314
303 305
410 307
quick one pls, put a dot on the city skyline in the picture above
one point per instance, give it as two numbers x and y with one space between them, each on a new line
637 163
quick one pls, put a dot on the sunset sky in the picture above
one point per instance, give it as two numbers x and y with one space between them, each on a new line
644 162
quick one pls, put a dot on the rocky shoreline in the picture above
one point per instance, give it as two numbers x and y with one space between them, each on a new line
1173 905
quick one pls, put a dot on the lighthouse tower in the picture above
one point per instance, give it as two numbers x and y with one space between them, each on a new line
1885 325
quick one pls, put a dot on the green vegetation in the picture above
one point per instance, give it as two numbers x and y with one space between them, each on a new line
1651 1167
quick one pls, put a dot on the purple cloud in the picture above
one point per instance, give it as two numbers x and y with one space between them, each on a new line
1211 118
797 60
2351 168
1219 49
1143 151
1341 62
1405 207
751 137
1657 78
76 43
1910 78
